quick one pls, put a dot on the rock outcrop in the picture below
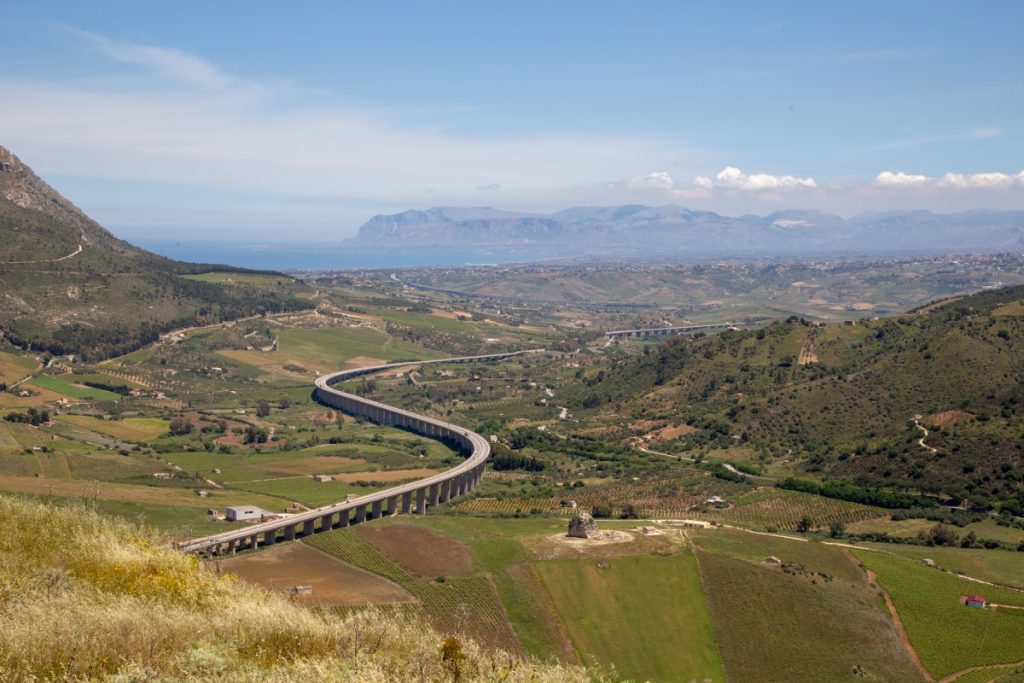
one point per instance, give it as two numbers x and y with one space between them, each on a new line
582 525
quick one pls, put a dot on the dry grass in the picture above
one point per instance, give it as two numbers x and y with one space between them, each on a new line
83 598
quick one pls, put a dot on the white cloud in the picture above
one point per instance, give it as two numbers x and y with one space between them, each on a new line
900 179
174 64
657 180
733 178
954 181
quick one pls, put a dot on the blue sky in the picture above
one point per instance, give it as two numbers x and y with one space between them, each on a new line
234 119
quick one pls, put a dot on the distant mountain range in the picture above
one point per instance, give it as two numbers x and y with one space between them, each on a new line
676 231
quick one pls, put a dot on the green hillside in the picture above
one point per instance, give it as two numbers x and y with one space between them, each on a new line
72 287
839 401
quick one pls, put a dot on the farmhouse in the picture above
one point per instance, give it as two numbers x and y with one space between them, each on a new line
322 477
242 513
975 601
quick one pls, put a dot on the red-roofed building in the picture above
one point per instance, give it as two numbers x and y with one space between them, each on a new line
975 601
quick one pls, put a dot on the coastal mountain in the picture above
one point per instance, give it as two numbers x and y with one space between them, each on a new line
71 287
674 231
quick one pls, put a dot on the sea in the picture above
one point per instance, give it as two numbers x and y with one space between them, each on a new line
264 255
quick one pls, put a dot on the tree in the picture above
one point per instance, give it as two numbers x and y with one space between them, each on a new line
601 510
629 511
940 534
254 435
286 402
262 409
805 524
836 528
180 426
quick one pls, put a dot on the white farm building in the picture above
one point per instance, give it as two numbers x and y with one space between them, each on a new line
242 513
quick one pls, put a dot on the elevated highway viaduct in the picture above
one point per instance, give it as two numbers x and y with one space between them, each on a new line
650 332
415 497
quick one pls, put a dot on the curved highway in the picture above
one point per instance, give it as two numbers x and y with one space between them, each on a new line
417 496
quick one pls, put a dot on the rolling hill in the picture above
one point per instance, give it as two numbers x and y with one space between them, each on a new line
840 401
71 287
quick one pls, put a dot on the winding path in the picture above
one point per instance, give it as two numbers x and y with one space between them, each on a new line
414 497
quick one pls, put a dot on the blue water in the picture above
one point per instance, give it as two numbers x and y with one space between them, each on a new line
301 256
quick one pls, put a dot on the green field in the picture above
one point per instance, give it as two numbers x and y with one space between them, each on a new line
63 385
774 626
127 429
240 278
947 636
998 566
644 615
331 348
305 490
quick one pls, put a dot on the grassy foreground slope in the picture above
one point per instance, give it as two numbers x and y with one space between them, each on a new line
83 598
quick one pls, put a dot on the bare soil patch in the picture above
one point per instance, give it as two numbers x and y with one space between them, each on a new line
608 543
949 417
334 583
363 362
421 552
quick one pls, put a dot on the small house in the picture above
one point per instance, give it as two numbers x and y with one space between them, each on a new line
322 477
242 513
202 493
975 601
772 561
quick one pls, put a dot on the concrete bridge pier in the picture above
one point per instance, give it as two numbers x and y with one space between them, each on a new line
435 495
375 509
269 537
344 517
308 527
254 542
421 501
289 533
407 503
327 522
392 508
360 515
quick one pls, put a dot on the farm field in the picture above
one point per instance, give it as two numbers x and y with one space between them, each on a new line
158 495
305 490
909 528
420 552
606 606
239 278
14 368
334 582
997 566
781 509
466 603
948 636
330 349
774 626
127 429
61 385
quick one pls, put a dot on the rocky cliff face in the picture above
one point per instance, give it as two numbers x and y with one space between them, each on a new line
23 188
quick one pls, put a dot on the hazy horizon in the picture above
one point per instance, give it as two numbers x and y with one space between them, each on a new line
258 121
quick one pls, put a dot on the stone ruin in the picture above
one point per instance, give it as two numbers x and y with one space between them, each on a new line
582 525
